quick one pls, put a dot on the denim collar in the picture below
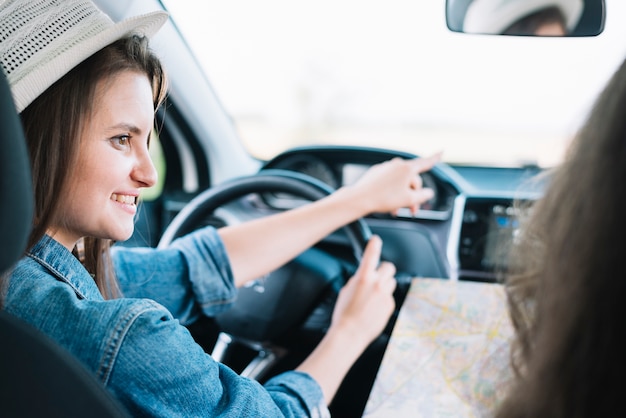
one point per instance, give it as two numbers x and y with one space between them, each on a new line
65 267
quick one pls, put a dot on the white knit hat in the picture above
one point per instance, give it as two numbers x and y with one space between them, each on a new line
42 40
494 16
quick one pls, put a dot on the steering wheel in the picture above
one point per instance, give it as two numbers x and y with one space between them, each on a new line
285 298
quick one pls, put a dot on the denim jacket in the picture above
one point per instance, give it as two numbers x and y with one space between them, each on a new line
135 346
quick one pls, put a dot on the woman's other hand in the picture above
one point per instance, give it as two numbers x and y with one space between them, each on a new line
363 308
366 302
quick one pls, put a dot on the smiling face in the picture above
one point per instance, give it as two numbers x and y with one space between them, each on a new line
113 163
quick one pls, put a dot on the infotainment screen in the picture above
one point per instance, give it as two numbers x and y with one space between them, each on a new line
502 226
489 227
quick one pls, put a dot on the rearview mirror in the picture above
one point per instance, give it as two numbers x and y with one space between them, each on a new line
526 17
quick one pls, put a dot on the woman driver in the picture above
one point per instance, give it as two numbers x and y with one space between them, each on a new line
87 90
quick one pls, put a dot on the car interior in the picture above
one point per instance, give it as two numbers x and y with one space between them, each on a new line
209 178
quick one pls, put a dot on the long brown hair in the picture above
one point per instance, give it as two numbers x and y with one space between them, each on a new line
53 124
567 294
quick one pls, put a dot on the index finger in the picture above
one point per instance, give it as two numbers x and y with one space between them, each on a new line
426 163
371 255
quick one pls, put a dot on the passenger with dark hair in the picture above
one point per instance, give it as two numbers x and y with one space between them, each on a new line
566 292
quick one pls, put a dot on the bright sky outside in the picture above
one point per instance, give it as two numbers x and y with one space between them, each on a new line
392 70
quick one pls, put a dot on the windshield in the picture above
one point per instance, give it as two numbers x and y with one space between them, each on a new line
390 74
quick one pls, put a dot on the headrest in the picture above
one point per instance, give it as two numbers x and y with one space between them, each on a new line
16 190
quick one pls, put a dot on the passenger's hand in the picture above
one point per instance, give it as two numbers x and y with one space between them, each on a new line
366 302
395 184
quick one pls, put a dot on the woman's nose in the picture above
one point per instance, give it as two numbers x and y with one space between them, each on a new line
145 172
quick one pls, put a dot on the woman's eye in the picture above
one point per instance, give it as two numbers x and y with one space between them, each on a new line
122 141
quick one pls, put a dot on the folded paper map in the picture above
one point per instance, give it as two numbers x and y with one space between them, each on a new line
448 355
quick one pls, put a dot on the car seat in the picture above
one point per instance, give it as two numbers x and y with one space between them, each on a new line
37 377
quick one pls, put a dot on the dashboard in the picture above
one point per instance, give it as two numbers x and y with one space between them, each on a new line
462 233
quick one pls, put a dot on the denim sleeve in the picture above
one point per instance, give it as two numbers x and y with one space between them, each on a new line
191 275
161 371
